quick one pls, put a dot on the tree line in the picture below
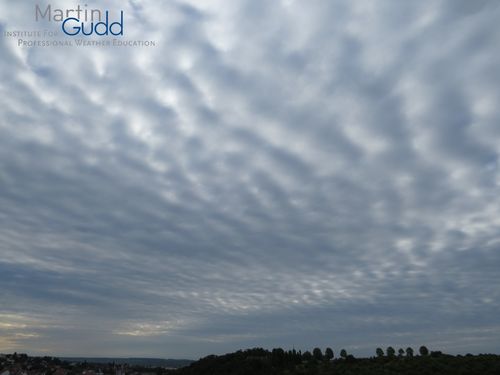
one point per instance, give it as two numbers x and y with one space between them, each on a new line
258 361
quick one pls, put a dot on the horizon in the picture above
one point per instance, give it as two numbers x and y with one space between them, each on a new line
259 361
223 175
335 350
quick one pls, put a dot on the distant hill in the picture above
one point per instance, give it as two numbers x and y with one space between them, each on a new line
146 362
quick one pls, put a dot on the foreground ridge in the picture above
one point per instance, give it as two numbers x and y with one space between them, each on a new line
258 361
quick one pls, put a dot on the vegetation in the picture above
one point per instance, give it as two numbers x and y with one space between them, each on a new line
280 362
276 362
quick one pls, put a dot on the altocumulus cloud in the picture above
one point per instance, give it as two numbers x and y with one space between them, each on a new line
273 173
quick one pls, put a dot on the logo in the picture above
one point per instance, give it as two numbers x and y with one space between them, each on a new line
78 26
82 21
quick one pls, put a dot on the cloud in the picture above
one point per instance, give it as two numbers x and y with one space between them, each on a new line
271 173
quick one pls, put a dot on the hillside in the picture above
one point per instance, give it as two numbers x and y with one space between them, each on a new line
262 362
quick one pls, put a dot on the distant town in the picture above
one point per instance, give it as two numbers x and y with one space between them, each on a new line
22 364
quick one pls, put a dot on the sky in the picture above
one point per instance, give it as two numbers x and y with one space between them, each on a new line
270 174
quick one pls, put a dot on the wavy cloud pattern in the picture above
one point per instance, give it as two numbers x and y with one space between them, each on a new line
272 173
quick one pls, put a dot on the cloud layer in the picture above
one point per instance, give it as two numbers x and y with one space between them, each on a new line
270 174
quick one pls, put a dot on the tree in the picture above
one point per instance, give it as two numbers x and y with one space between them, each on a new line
380 352
307 356
278 356
317 354
343 353
329 354
423 351
390 352
409 352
